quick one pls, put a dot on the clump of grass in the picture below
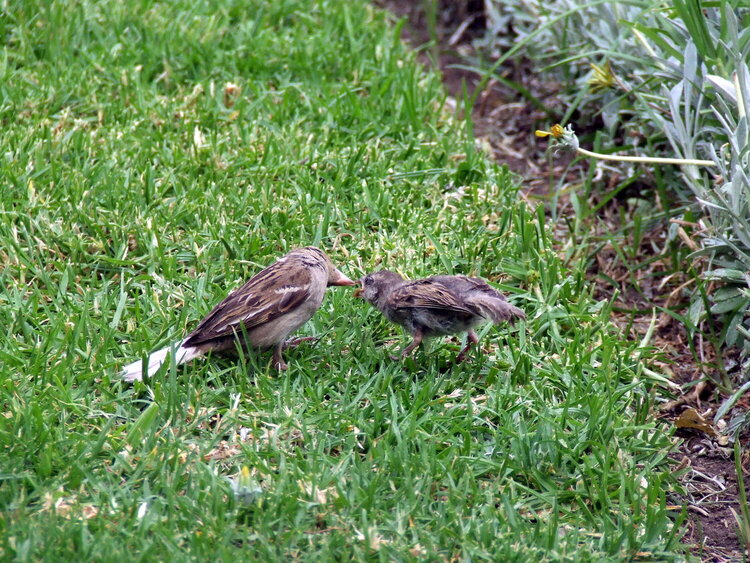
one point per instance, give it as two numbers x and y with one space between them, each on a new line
159 154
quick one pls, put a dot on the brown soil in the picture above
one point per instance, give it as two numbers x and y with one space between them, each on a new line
711 493
506 122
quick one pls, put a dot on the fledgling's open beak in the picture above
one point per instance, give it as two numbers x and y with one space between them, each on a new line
358 292
341 279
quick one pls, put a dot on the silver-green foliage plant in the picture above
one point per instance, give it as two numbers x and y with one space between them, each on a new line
680 68
566 37
708 110
728 204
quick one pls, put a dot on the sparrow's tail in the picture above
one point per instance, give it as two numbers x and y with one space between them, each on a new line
497 309
182 354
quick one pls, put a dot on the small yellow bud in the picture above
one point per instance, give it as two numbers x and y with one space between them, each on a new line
556 131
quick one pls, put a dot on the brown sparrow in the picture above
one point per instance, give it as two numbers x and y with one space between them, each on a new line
436 306
262 313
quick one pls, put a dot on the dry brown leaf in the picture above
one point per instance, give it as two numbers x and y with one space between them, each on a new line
320 495
223 450
691 418
417 551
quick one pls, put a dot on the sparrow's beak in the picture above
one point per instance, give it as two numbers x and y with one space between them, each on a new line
341 279
358 292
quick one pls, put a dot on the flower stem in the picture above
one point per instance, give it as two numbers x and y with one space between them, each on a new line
652 159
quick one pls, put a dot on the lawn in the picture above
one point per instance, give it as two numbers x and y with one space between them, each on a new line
156 155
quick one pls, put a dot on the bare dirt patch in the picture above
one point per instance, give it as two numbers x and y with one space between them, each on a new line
711 493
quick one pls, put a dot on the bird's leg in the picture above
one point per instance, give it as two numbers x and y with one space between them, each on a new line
278 361
471 339
418 335
293 342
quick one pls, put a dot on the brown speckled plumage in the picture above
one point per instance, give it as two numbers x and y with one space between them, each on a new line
438 305
262 313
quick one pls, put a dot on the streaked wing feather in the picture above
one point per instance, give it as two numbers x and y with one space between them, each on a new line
264 298
426 294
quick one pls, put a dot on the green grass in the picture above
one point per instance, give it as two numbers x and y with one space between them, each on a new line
135 196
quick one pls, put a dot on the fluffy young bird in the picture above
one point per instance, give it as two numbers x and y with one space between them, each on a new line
436 306
263 312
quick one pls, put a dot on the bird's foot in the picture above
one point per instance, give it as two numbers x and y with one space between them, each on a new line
277 360
402 355
471 340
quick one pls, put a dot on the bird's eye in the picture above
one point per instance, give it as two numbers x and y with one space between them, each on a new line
368 280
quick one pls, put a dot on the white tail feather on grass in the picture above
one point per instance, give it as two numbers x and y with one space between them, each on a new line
134 371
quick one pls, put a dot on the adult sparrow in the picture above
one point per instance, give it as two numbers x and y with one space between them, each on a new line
436 306
262 313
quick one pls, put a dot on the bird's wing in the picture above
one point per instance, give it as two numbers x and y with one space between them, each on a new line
462 283
491 301
427 294
273 292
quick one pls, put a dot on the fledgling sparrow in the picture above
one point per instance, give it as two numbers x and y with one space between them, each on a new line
435 306
262 313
